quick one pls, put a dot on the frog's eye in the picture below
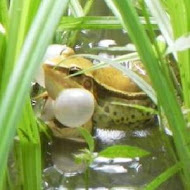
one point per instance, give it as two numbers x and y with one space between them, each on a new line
74 70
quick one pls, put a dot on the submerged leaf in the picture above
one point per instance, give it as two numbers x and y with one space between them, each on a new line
123 151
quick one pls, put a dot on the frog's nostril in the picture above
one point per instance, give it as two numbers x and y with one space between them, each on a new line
74 107
87 84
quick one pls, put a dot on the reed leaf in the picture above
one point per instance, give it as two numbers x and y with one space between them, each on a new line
181 27
94 22
161 19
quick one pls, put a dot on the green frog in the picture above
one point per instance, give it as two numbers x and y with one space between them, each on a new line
112 91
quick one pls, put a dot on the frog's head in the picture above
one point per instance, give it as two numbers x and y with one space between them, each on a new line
57 76
73 95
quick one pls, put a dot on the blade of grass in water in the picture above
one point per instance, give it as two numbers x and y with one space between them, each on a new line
125 12
34 47
163 177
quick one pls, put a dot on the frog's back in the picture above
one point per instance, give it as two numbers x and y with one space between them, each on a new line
115 79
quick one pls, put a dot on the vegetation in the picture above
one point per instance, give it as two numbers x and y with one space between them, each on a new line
26 29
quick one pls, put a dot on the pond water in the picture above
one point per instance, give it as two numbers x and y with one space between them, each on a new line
119 173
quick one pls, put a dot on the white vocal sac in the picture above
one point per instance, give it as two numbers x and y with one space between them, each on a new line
74 107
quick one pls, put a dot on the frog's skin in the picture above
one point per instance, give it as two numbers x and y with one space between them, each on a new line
108 85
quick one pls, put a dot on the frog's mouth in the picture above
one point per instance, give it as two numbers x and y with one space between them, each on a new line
71 109
58 124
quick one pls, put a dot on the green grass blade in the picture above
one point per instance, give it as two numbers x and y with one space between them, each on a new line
138 80
3 31
115 48
88 6
2 53
116 63
123 151
32 10
78 11
13 41
162 19
181 27
4 13
34 47
93 22
163 177
136 106
18 27
29 149
88 138
76 8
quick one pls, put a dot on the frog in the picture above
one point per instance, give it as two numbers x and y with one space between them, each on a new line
113 92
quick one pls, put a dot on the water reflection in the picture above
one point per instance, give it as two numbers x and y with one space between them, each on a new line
109 173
